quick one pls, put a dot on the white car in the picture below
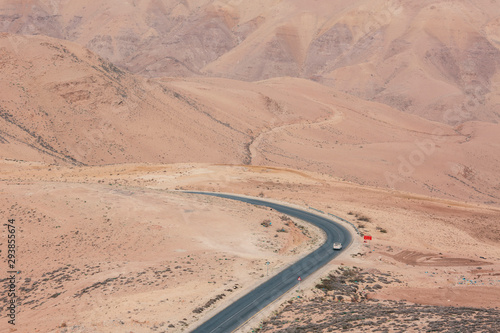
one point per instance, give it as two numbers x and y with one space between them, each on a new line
337 246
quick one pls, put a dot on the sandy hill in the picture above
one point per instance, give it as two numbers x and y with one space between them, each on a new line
434 58
62 104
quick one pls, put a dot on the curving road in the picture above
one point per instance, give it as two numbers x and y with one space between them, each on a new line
248 305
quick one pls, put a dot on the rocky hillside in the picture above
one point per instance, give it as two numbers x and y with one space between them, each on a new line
438 59
61 103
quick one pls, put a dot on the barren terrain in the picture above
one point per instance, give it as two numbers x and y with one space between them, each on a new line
100 256
438 59
380 112
62 104
114 236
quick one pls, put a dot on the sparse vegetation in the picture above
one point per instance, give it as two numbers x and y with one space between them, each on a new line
338 279
363 218
285 218
345 305
209 303
359 216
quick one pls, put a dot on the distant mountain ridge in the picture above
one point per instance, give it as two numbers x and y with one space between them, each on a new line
438 59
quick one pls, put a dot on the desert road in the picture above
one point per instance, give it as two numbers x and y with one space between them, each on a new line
244 308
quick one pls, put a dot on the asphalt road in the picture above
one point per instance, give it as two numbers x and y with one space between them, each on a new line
248 305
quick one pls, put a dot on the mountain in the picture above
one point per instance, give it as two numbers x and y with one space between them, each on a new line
380 112
62 104
437 59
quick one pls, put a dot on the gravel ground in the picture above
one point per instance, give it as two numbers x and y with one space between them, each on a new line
342 304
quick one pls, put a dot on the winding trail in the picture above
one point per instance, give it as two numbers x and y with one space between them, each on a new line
253 146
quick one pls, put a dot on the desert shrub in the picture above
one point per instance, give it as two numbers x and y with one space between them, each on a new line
285 218
360 217
363 218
